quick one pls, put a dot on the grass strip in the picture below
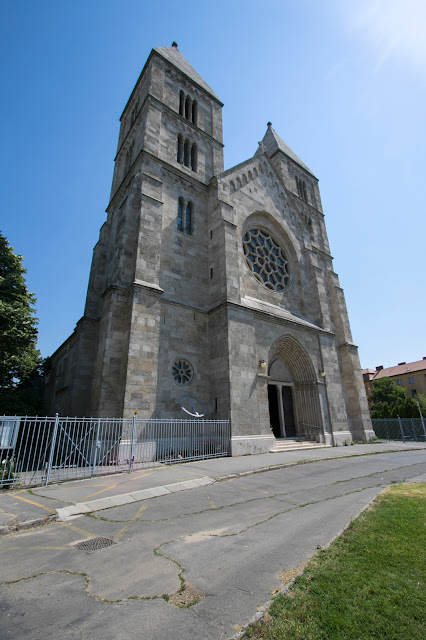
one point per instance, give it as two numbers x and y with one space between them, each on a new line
370 583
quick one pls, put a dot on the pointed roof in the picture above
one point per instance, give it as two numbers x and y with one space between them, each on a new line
272 143
174 56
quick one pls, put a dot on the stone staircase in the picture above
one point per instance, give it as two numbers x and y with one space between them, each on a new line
295 444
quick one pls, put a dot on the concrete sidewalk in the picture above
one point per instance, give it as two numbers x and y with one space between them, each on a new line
26 508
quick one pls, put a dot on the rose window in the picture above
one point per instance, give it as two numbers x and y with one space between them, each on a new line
182 372
266 260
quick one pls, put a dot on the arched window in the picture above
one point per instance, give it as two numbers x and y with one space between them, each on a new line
232 186
244 179
238 183
180 149
301 189
188 108
186 153
184 216
180 214
194 157
188 219
250 175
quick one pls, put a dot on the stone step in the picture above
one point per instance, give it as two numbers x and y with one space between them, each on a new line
291 444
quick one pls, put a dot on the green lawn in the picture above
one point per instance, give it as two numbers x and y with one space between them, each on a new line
369 584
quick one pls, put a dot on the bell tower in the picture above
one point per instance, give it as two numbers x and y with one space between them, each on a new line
151 257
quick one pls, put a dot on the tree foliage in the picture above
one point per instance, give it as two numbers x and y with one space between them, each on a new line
387 400
19 357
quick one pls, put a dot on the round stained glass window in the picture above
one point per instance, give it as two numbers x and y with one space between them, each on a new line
182 372
266 260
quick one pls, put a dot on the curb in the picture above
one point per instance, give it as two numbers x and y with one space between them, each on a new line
283 465
92 506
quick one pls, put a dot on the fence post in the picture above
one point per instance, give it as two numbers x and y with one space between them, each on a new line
401 429
52 449
132 439
97 446
422 419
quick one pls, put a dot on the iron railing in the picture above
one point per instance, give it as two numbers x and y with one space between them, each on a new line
313 432
400 429
42 450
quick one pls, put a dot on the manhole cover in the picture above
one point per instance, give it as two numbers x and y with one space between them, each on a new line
94 544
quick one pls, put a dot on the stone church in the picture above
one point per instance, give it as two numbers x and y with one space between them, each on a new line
210 283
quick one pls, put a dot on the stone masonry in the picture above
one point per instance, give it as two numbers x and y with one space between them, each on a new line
211 283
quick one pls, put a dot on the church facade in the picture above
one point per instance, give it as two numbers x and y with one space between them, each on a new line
210 283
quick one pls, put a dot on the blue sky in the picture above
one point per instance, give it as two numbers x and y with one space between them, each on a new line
342 81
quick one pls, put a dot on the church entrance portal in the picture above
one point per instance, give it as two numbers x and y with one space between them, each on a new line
281 411
294 406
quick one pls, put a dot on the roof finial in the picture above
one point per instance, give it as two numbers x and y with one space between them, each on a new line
269 124
175 45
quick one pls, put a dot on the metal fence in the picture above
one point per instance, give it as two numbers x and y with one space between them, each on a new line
400 429
42 450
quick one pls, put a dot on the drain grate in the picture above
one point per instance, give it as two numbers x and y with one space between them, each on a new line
94 544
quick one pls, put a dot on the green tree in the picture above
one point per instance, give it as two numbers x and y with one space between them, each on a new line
19 357
421 399
387 400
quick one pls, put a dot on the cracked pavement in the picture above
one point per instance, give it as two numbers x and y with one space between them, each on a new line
194 564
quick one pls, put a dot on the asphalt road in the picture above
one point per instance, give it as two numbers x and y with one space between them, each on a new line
227 547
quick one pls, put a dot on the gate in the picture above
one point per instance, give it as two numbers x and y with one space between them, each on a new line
42 450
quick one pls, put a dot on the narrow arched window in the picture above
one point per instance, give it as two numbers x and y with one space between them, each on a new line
305 193
186 153
188 108
298 186
182 103
180 149
194 157
194 112
188 219
180 215
232 186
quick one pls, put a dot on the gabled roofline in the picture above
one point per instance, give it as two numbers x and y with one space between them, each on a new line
237 166
157 53
301 166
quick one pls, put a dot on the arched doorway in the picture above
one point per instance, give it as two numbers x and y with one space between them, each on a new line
280 398
294 406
